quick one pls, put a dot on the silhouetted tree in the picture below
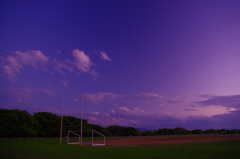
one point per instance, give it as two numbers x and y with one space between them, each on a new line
180 131
197 131
166 131
49 124
16 123
210 131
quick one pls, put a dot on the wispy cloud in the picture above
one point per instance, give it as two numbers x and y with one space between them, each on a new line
231 101
65 83
138 118
135 117
17 60
25 94
104 56
9 73
44 90
191 109
61 66
99 97
143 97
228 120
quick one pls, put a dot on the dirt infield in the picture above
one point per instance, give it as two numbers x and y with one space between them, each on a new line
167 140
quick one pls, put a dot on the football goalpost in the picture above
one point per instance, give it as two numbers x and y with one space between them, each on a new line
96 139
76 137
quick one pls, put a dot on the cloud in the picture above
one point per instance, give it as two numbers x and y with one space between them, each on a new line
97 98
126 112
82 61
33 58
76 100
9 73
124 116
25 94
232 101
44 90
135 117
190 109
17 60
14 62
60 66
143 97
65 83
229 120
100 97
105 56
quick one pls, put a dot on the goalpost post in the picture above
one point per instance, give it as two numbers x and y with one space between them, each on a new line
81 120
61 123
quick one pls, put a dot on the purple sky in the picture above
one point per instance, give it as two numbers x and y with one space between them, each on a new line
147 63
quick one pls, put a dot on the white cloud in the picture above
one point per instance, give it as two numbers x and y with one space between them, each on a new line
14 62
105 56
82 61
17 60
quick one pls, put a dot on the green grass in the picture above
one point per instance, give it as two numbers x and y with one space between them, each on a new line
50 149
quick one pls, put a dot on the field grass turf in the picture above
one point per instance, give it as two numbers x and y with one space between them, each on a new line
50 149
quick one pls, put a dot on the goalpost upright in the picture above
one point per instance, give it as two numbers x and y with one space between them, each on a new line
81 120
61 123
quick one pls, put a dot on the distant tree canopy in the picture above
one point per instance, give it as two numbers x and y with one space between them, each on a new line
122 131
16 123
19 124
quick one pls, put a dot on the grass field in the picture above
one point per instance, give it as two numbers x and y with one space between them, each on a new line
50 149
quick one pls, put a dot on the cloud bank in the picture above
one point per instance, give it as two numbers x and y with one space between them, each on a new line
17 60
138 118
231 101
14 62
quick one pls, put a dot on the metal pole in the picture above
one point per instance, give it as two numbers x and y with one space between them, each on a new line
82 120
92 137
61 123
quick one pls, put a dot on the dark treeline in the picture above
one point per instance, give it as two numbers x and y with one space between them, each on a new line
20 124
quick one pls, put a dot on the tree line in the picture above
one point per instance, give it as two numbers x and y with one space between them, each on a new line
20 124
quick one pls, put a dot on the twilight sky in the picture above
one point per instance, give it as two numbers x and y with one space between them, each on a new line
146 64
